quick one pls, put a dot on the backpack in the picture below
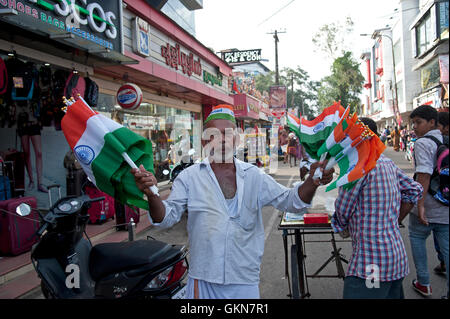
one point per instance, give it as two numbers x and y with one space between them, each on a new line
439 182
3 77
75 85
91 93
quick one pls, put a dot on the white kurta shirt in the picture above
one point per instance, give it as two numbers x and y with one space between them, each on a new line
224 249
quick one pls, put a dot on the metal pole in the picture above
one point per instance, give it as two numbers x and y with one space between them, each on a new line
396 108
277 78
131 226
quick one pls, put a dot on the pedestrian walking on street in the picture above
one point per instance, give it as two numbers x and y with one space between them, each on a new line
430 215
370 214
292 149
404 138
396 139
440 269
224 197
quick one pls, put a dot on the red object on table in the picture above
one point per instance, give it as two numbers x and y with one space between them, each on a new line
316 218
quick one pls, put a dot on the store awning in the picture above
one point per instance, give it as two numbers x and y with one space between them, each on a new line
246 107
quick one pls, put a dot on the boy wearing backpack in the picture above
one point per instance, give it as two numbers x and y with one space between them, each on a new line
431 213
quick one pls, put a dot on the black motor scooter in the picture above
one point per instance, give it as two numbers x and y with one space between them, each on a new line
70 268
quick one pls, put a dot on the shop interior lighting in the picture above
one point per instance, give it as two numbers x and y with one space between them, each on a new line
47 64
105 50
62 36
8 12
74 71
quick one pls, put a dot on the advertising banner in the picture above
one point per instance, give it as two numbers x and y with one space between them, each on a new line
278 97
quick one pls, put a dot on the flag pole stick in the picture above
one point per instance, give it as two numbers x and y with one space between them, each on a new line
130 162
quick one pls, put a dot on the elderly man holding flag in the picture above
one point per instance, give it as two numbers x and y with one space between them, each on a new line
224 197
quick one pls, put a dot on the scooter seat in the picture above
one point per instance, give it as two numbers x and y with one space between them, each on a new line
110 258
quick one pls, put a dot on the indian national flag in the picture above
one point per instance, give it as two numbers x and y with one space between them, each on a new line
356 155
314 133
294 123
98 143
339 132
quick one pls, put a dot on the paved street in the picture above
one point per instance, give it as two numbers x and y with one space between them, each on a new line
273 282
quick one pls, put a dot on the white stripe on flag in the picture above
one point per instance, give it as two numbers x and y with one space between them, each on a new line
326 122
97 127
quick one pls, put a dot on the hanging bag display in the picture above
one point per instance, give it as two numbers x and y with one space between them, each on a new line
3 77
91 93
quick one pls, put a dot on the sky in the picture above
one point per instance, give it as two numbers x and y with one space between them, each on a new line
243 24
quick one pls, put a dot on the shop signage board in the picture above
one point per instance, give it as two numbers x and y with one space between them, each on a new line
246 107
89 24
129 96
432 97
242 56
141 37
176 58
212 79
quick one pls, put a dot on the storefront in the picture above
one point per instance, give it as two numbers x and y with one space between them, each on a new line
180 80
126 42
50 50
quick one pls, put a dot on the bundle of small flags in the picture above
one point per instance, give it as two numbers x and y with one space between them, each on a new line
343 140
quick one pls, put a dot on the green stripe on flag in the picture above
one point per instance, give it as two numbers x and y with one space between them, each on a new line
344 165
112 174
312 143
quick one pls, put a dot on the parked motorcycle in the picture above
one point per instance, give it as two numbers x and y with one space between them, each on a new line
184 163
71 268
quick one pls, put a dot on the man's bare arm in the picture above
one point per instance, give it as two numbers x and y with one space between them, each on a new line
144 180
307 190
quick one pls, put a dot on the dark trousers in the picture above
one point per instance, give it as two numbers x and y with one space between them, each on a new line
355 288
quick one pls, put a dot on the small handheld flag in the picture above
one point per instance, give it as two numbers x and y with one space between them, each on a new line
105 150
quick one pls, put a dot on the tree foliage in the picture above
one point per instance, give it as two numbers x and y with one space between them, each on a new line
344 84
331 38
305 90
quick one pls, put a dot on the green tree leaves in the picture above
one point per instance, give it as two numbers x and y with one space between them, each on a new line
344 84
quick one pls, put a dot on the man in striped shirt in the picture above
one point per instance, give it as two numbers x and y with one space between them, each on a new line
370 213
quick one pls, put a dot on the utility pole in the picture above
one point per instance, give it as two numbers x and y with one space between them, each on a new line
275 36
292 89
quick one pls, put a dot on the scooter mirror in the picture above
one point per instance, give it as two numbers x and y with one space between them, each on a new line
191 152
23 209
166 172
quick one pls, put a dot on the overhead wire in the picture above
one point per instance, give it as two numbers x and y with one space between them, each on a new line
275 13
